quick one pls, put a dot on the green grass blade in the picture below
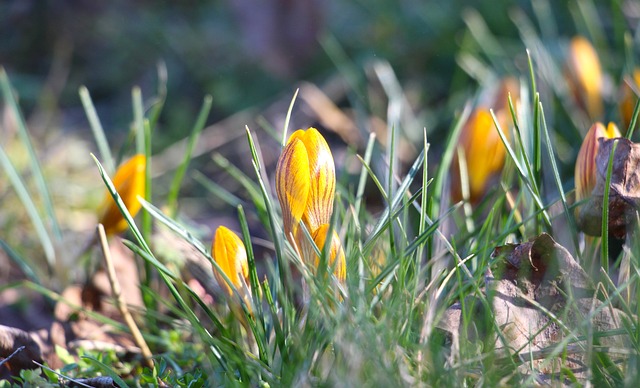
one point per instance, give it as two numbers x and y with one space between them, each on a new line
363 173
138 119
530 184
158 104
30 207
121 206
444 168
558 181
174 190
36 169
287 119
393 203
106 369
634 119
98 131
252 189
258 315
604 254
25 267
217 190
284 288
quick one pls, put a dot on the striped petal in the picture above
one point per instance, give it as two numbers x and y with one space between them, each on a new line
292 184
322 174
585 169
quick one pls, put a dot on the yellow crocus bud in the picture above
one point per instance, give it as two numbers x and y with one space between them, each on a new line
305 183
129 182
585 76
231 256
484 154
336 256
585 170
628 98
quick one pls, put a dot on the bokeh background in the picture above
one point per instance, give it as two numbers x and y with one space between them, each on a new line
246 52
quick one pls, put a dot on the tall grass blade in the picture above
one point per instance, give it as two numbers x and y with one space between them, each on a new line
385 220
25 267
288 118
98 131
30 207
36 169
558 181
174 190
604 254
217 190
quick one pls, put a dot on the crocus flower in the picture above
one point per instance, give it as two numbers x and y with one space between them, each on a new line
585 170
231 256
628 98
484 154
305 183
585 76
129 182
480 143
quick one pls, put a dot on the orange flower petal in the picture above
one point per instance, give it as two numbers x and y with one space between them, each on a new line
628 98
484 153
129 181
230 254
337 260
585 172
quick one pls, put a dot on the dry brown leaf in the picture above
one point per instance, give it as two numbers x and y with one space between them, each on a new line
624 192
539 296
11 339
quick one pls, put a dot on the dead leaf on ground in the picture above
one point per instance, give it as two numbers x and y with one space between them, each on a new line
11 339
544 305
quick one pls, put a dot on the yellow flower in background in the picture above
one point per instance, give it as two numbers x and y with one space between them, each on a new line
230 254
480 144
305 184
628 98
484 154
129 182
585 76
585 170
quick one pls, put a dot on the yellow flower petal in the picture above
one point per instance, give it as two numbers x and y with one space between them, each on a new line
230 254
292 184
484 153
322 178
129 181
337 260
585 75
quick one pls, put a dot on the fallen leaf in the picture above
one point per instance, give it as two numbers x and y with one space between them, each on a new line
544 305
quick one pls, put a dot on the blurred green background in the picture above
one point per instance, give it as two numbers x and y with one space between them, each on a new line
244 52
